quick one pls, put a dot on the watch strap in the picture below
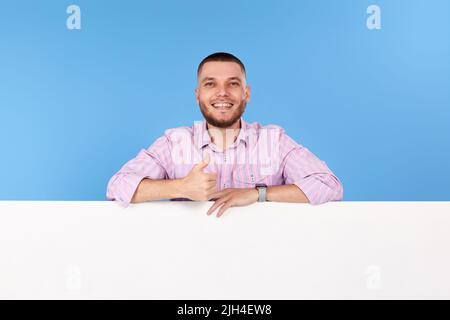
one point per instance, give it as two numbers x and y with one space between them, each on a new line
262 192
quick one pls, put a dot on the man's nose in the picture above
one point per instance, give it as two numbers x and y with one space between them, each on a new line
222 90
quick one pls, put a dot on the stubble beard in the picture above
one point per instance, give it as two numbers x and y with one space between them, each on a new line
222 123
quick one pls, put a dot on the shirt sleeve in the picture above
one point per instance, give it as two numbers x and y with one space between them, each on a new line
152 163
309 173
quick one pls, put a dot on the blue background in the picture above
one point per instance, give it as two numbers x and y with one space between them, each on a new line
75 105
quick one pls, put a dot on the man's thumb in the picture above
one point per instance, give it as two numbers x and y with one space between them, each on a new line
204 163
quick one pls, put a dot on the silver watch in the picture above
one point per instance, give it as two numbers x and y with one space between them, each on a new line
262 192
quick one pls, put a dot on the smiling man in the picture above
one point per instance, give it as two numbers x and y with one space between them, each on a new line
223 158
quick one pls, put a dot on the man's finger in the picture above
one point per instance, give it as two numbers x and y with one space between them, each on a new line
206 158
225 206
215 205
202 164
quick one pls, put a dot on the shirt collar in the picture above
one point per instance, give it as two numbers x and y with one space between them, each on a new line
202 138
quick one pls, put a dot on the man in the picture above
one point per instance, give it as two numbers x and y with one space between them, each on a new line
224 158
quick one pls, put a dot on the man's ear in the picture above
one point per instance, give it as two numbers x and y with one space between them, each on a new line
196 95
247 93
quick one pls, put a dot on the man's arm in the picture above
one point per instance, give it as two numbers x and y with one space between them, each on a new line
286 193
309 173
153 163
197 185
312 176
232 197
149 190
307 180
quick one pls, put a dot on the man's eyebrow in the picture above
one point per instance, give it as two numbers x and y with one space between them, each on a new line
207 79
229 79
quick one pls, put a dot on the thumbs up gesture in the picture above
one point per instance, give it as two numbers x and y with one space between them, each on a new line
199 185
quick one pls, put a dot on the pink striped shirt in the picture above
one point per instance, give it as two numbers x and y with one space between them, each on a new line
259 155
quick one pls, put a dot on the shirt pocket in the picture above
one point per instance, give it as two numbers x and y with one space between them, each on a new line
248 175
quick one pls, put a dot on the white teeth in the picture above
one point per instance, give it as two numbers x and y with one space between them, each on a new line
222 105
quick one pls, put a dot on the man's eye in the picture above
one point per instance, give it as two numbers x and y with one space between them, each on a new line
208 84
234 84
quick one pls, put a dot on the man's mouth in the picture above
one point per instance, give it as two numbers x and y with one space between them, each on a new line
222 105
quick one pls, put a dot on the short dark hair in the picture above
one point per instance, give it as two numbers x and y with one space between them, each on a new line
221 56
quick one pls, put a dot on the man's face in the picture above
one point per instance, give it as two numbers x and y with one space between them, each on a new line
222 93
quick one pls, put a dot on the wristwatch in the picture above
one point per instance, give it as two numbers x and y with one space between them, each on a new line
262 191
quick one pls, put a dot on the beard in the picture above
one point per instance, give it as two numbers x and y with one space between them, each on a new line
236 116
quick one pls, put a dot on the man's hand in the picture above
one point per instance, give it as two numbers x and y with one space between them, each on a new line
198 185
232 197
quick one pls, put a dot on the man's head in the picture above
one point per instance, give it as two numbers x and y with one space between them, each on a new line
222 92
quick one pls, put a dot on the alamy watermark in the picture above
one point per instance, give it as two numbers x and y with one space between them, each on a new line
373 280
373 22
262 150
73 21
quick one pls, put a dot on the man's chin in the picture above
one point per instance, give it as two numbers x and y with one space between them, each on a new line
221 123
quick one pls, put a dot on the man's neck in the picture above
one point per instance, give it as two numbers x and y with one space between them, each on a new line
224 137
